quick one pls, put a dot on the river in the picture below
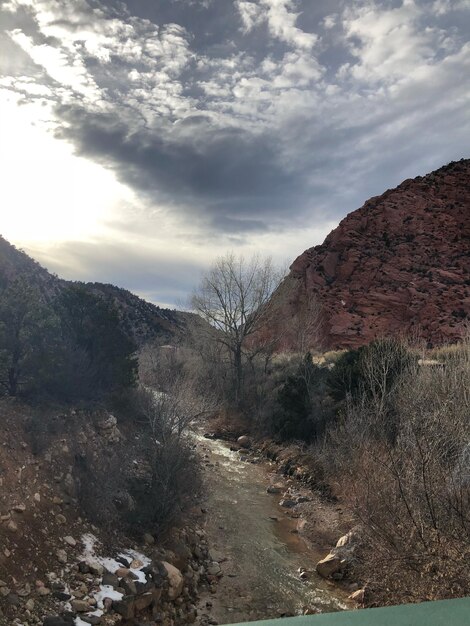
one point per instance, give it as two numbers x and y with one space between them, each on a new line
251 536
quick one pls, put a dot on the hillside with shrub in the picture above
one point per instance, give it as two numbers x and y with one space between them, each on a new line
140 320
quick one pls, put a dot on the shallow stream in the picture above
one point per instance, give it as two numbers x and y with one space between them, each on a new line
252 535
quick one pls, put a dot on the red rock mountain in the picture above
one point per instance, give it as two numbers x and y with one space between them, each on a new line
399 264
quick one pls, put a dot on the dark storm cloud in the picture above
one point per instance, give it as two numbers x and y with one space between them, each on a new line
217 172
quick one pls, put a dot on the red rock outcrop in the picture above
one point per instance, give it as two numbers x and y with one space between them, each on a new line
398 265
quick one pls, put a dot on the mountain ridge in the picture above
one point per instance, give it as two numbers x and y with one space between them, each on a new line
140 319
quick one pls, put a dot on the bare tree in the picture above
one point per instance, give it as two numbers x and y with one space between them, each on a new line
307 325
233 297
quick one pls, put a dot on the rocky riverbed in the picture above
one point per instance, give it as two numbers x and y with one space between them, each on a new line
262 566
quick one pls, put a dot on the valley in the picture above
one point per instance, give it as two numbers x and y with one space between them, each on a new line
334 471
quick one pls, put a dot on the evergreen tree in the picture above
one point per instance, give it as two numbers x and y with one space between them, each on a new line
29 339
100 354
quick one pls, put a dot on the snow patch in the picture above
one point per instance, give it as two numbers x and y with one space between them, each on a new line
106 591
112 565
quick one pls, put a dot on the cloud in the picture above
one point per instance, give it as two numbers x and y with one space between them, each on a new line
245 119
281 19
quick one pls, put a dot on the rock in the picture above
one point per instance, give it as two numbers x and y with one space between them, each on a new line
345 540
123 572
96 568
43 591
25 591
111 580
12 526
37 497
275 489
108 423
143 601
69 485
108 428
214 569
19 508
125 607
61 519
287 503
95 620
129 587
61 595
58 621
61 556
149 539
328 566
80 606
13 599
244 441
175 580
70 541
30 605
358 596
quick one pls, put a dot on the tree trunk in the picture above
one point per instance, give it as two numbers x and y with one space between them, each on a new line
12 381
238 373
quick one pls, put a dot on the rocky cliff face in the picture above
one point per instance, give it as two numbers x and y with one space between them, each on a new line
399 264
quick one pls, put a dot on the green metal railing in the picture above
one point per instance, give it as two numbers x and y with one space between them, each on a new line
440 613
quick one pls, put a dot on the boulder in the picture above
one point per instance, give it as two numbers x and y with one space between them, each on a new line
328 566
358 596
244 441
345 540
175 581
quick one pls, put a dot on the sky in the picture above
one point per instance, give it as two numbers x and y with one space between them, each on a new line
141 139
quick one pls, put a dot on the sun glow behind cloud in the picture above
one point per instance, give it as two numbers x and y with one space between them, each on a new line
48 193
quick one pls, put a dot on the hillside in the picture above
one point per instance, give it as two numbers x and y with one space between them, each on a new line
141 320
398 265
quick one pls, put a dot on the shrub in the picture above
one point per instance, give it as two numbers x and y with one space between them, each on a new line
411 492
301 410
